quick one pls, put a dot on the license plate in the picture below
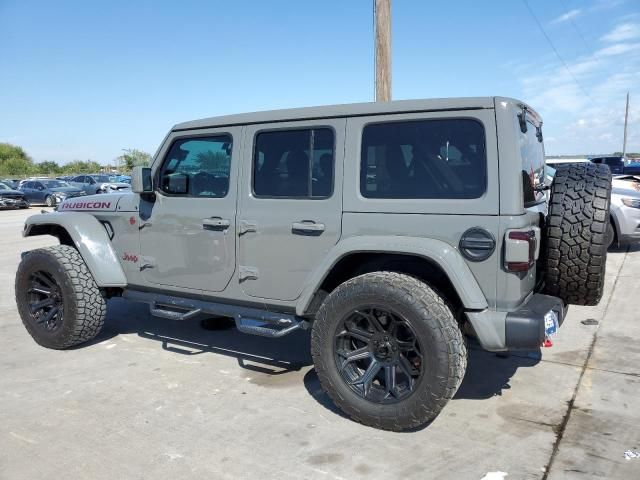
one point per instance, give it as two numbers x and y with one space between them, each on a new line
550 323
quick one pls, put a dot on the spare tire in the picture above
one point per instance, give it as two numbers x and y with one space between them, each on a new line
575 236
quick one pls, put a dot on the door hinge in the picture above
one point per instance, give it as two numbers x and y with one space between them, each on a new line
247 273
244 227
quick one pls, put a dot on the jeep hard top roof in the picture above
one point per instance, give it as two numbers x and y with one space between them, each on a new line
351 110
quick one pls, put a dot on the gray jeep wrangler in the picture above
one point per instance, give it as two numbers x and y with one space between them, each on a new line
389 229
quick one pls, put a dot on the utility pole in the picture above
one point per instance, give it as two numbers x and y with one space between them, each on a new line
382 15
626 119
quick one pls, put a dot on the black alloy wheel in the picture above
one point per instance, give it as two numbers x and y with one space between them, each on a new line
378 354
45 301
57 297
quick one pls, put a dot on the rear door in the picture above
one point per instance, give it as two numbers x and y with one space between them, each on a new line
290 207
78 182
187 237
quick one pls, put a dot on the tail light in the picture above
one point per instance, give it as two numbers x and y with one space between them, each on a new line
520 251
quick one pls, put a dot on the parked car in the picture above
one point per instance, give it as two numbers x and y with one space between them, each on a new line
25 180
618 165
632 167
624 225
280 221
11 183
10 198
98 183
49 192
625 209
123 179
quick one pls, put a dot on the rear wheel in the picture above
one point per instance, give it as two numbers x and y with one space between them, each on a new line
57 297
578 233
388 351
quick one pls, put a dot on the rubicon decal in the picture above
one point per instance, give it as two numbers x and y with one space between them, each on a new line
127 257
85 206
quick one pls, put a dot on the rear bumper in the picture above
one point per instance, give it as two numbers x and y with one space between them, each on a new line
521 329
524 328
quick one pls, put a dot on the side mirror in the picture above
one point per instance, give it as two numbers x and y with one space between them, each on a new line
141 180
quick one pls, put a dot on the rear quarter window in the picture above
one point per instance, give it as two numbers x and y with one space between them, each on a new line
424 159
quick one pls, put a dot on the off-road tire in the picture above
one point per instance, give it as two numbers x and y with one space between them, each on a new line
84 306
49 201
577 233
445 358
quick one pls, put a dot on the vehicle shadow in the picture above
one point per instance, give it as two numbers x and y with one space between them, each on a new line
265 355
487 374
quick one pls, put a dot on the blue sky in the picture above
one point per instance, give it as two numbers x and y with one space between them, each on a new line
83 80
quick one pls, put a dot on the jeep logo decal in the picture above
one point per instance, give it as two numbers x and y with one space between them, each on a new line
127 257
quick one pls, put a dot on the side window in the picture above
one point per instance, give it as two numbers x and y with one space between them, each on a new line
294 163
424 159
80 179
197 167
596 160
39 185
27 185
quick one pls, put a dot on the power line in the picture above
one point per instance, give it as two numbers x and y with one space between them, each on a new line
590 50
555 50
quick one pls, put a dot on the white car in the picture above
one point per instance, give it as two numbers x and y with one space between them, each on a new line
625 209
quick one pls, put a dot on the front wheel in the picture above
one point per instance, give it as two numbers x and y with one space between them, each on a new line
49 201
57 297
388 350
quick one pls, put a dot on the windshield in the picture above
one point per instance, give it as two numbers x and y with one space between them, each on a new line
55 184
101 178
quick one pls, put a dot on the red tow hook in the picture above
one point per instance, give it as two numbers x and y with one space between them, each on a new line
547 343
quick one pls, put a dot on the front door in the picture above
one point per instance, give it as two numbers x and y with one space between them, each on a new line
34 192
290 210
187 236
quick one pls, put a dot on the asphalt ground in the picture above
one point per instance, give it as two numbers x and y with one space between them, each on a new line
152 398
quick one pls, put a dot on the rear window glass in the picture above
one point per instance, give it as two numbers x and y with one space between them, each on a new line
532 155
444 158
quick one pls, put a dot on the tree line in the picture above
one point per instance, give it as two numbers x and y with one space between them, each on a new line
15 162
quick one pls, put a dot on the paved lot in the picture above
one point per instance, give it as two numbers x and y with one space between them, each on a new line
155 399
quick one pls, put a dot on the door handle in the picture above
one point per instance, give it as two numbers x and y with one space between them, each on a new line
307 227
215 223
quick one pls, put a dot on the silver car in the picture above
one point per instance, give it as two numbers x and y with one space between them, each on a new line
98 183
625 209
